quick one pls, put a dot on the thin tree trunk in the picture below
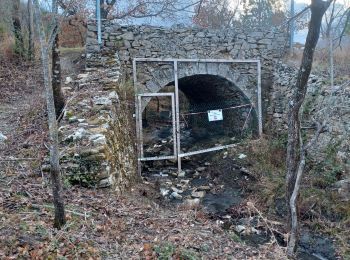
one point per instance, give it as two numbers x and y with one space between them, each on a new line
104 11
293 238
59 98
331 59
53 131
318 8
17 29
31 52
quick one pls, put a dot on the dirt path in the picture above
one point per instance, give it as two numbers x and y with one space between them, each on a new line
22 101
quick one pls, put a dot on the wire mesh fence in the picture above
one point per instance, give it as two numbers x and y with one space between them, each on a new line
209 125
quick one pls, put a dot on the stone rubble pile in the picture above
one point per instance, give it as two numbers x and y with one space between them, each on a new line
179 187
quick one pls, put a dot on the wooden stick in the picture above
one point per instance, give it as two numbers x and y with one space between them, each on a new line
70 211
18 159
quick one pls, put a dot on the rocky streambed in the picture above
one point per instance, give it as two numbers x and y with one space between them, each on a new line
220 185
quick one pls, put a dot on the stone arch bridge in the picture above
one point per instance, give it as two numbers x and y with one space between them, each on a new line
199 81
86 136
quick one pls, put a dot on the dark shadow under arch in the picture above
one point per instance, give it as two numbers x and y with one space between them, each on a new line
203 92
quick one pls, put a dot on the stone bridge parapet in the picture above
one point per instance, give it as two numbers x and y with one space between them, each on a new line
124 43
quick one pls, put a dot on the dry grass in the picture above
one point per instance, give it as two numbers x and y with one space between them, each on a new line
321 210
321 62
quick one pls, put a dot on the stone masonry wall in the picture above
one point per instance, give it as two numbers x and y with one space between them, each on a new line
322 102
128 42
177 42
86 131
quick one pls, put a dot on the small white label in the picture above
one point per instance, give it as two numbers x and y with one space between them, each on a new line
215 115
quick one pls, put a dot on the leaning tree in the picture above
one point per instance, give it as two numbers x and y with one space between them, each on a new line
296 150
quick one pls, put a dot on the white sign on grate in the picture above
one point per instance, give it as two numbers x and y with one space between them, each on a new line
215 115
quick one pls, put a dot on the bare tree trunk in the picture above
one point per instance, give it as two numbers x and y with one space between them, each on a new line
56 78
331 59
106 7
293 238
31 51
53 131
318 8
16 21
59 99
104 12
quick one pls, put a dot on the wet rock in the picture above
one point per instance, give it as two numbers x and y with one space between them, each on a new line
83 76
200 169
174 174
165 133
193 202
174 189
184 183
203 188
181 174
198 194
200 133
175 195
240 228
220 202
312 245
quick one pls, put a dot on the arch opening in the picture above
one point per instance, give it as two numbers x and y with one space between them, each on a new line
199 94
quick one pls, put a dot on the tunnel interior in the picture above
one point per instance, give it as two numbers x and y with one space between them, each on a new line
213 112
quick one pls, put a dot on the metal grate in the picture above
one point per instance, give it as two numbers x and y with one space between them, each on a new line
169 126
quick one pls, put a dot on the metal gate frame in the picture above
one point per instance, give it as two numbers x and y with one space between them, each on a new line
177 146
140 128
